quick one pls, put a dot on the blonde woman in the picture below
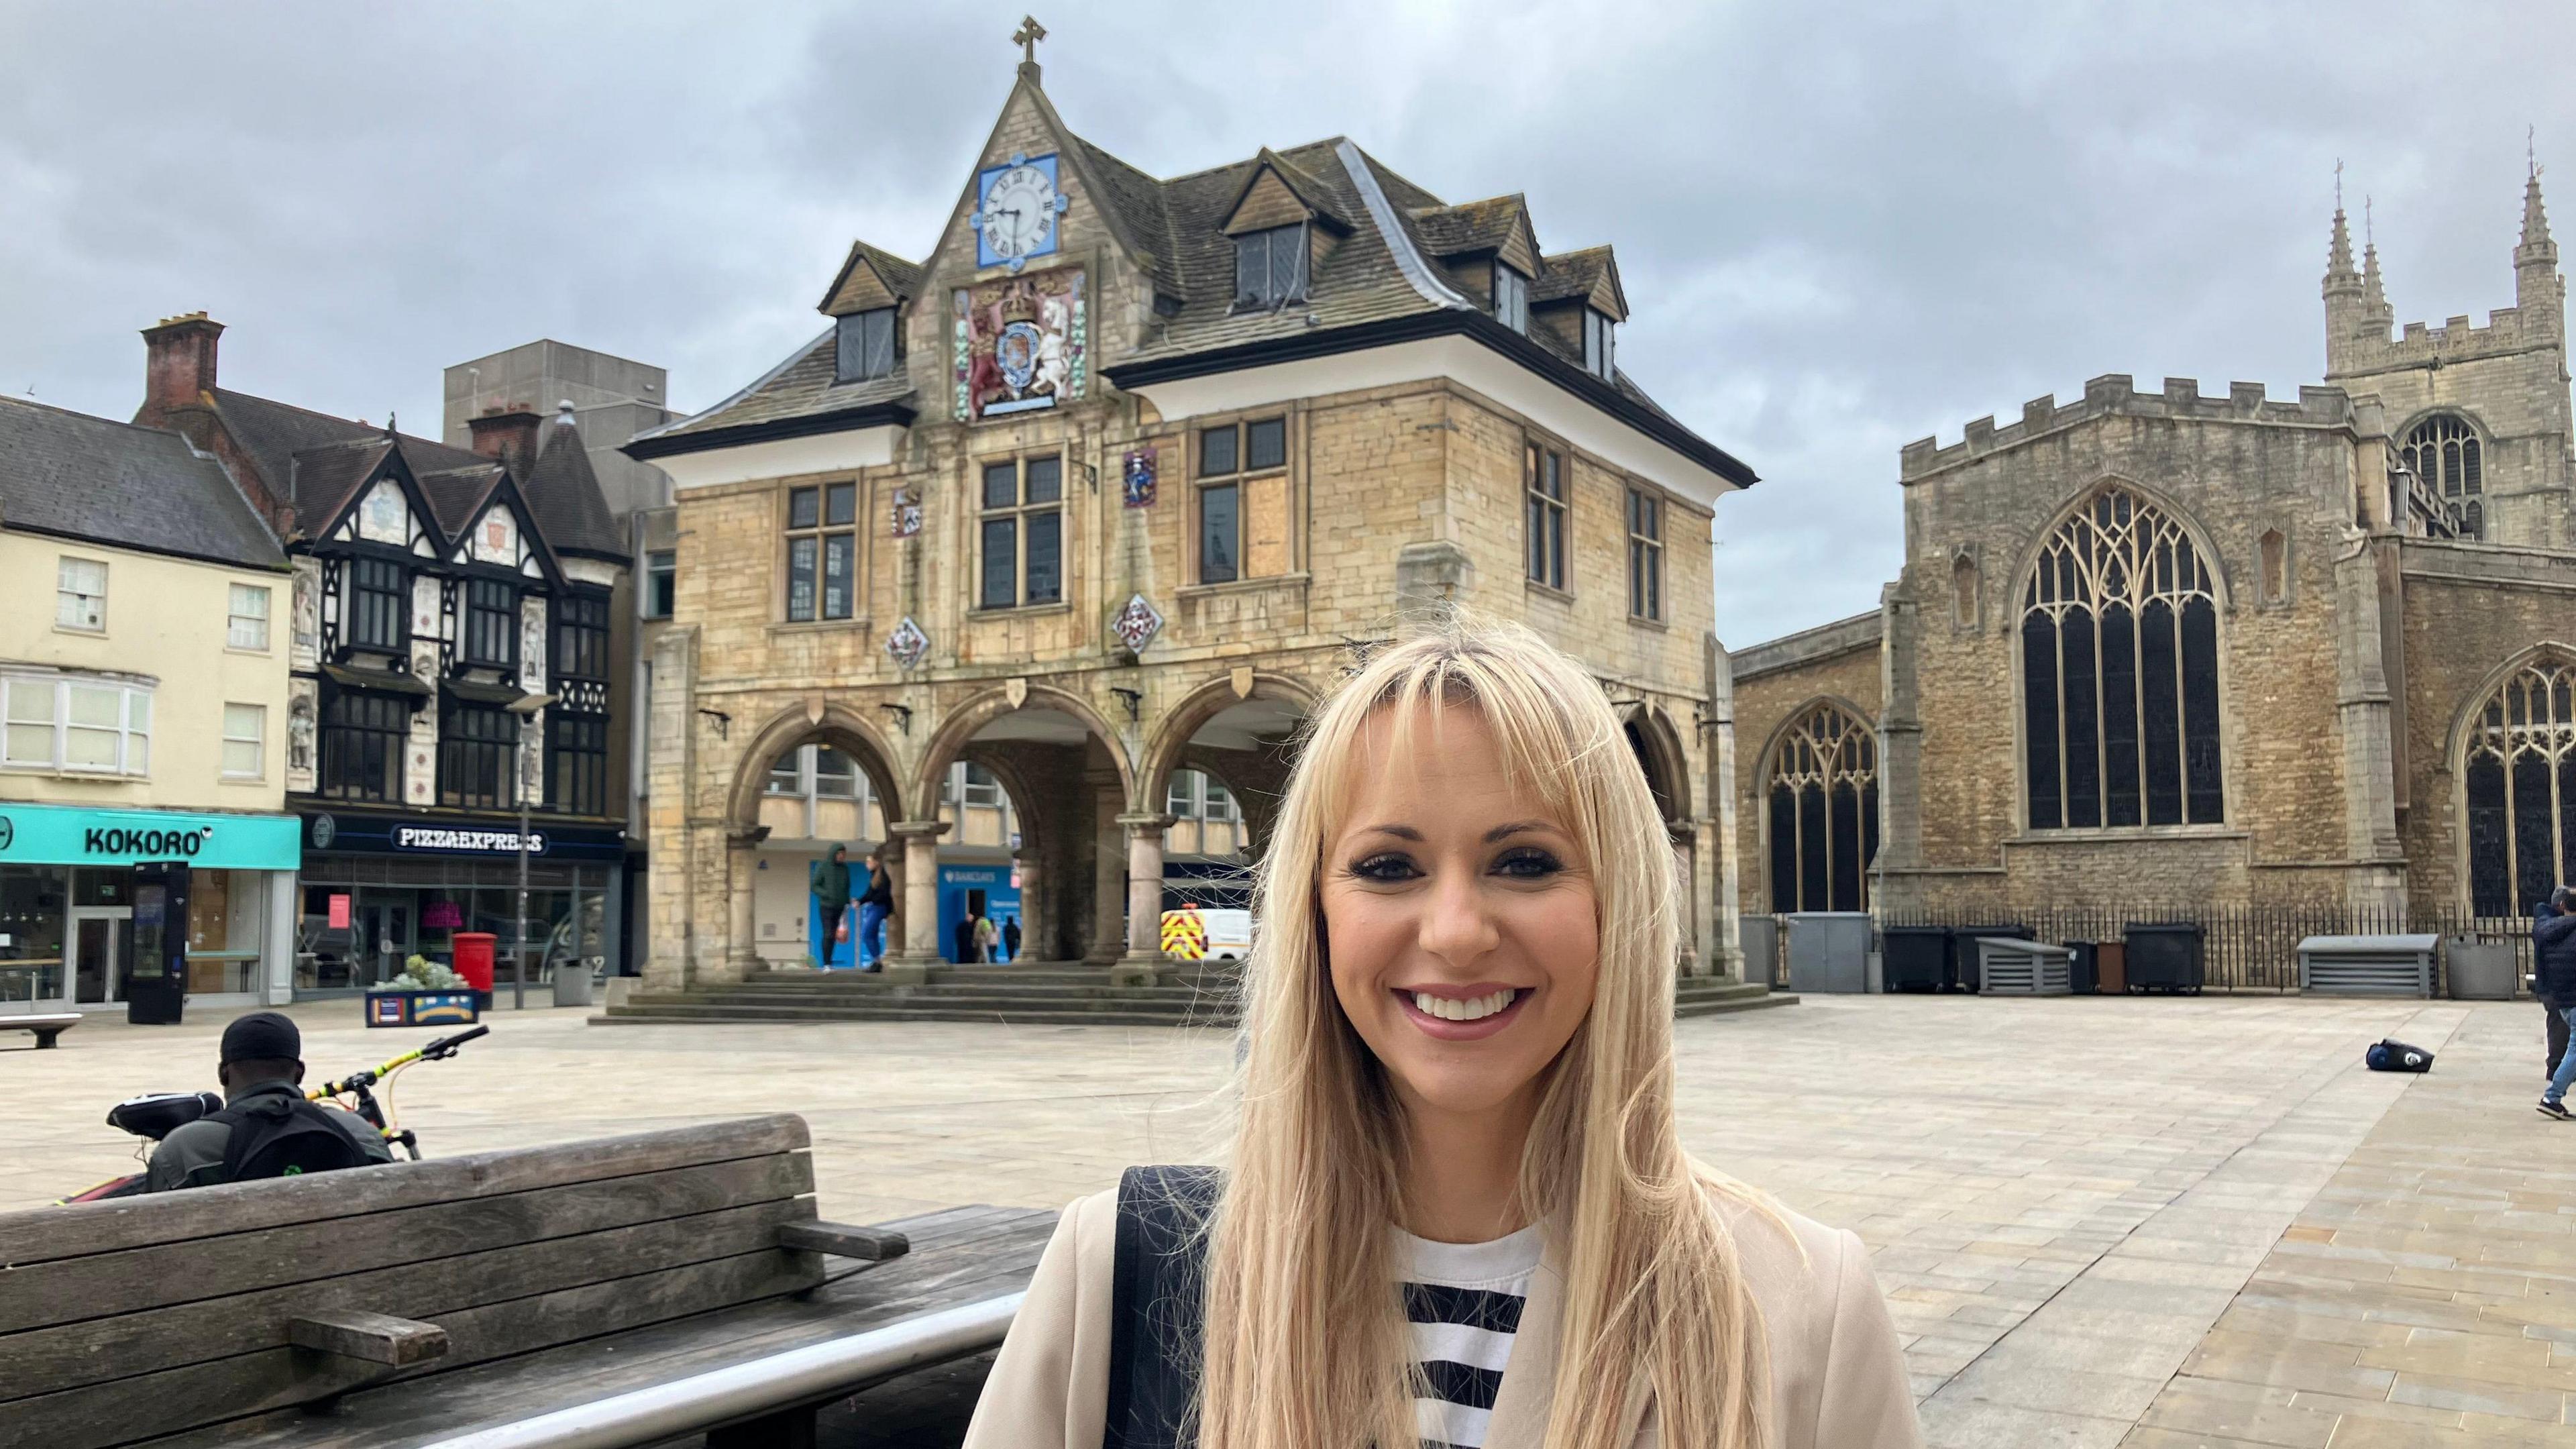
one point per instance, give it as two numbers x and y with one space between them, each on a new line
1457 1209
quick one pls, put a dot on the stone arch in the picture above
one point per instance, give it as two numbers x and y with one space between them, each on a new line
2222 580
1794 724
1658 747
840 728
1171 739
2457 456
2462 740
948 743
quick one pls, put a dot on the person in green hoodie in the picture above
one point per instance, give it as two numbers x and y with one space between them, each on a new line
829 881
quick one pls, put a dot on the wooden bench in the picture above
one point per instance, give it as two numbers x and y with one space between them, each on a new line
46 1028
417 1301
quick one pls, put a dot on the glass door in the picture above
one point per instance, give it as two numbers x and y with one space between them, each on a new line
95 938
384 935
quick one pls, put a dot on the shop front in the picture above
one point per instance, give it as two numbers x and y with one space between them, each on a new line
67 902
382 887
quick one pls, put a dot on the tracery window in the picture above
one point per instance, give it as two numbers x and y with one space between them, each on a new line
2119 639
2444 452
2520 770
1824 813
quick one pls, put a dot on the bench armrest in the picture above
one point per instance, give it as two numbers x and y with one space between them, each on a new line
373 1337
876 1245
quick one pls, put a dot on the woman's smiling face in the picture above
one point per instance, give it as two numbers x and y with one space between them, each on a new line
1459 916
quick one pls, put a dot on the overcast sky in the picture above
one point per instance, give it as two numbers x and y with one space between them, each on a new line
1840 226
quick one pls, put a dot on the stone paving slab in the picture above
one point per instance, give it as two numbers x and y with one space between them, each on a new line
2061 1195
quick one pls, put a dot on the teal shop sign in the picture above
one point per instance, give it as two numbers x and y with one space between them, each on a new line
69 835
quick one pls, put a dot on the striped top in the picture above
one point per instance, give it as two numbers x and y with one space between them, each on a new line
1464 1301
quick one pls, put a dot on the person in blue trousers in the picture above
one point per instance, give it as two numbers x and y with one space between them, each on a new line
874 906
2553 975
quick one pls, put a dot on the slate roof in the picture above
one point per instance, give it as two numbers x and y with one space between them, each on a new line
801 389
79 476
1473 226
901 277
1573 274
563 493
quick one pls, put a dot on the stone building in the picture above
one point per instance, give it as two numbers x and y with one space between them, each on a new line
2188 650
1114 483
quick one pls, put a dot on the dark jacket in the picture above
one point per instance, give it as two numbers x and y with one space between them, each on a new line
2553 958
829 880
193 1154
880 889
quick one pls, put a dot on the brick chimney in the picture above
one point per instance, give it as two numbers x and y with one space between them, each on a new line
509 435
179 365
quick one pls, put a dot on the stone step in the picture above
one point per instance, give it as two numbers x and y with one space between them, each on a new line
908 1000
632 1015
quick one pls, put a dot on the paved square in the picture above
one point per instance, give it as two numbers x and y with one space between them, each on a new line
2100 1221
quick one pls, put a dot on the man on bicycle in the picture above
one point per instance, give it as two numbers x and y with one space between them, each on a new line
261 1069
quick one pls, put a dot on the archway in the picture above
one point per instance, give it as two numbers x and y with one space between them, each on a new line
1214 773
1657 747
810 779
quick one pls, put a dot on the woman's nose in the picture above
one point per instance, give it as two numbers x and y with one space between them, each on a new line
1456 927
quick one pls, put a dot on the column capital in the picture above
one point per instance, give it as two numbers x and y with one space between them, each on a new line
1138 824
917 829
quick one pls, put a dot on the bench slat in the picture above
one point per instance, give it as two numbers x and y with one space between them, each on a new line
876 1245
143 1278
97 1416
40 1235
374 1337
71 1354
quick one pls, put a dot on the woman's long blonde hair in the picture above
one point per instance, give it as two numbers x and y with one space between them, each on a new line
1306 1345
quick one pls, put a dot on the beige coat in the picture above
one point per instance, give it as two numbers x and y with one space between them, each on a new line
1838 1380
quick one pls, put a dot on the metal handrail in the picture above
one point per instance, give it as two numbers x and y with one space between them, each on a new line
744 1391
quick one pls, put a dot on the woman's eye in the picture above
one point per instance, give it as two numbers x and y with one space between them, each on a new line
1528 863
1388 867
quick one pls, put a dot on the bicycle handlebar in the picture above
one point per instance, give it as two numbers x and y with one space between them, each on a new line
438 1050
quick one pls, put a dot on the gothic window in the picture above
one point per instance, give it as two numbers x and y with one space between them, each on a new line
1824 813
2444 452
2275 564
2119 640
1963 592
2520 772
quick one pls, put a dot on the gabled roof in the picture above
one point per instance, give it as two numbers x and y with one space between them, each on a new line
72 475
1301 185
1591 275
563 492
897 278
1470 226
317 462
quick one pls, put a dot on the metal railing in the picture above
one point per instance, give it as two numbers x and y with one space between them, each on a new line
2244 948
763 1386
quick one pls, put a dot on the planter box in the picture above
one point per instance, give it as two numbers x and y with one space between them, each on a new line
422 1008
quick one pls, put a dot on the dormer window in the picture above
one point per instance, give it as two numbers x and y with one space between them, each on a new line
1599 351
1511 297
1270 268
867 345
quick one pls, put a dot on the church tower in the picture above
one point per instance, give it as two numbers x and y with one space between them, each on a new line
2481 414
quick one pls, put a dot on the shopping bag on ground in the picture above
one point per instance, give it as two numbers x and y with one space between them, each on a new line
2396 1056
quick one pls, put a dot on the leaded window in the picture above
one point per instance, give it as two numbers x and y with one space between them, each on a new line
577 776
865 344
1543 487
362 746
476 748
2444 452
1230 455
1023 533
376 613
491 623
1645 555
1824 812
581 637
1270 268
2520 773
2119 641
822 552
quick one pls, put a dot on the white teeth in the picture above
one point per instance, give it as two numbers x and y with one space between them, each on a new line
1472 1009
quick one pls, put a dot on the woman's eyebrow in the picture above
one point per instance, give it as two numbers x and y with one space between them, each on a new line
1502 832
1400 832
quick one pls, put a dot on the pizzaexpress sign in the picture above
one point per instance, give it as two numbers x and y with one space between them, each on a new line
68 835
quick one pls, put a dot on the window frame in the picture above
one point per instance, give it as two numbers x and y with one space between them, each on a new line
257 739
482 610
395 603
1831 749
335 731
581 637
1233 480
1600 344
65 592
1018 516
1540 508
461 749
1646 510
133 744
661 591
234 594
1509 287
829 530
2457 446
1269 297
878 356
576 756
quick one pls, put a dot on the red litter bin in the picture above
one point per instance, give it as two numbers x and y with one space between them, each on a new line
474 960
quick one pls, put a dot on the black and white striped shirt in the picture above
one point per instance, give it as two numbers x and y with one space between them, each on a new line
1464 1301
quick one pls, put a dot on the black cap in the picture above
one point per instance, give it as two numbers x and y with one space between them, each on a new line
262 1036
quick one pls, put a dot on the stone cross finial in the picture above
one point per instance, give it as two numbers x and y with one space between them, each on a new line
1027 38
2338 183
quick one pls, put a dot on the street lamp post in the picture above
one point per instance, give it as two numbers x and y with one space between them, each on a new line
525 707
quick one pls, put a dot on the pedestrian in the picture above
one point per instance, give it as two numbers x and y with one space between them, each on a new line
986 938
874 907
1455 1130
2553 979
961 940
828 880
1011 939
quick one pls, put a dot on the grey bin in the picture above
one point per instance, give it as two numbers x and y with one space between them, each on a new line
572 984
1828 951
1761 938
2367 965
2025 968
2480 970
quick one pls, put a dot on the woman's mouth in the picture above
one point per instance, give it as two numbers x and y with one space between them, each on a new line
1452 1017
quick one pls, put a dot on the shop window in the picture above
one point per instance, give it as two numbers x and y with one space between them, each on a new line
1234 462
80 595
822 552
661 582
1645 555
491 623
1022 533
247 627
76 725
362 746
1543 481
32 919
581 637
475 749
377 618
245 741
578 778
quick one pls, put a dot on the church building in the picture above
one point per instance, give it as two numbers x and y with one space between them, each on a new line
2168 653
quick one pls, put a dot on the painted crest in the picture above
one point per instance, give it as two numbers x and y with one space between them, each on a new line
1137 624
906 644
1019 344
1139 474
906 519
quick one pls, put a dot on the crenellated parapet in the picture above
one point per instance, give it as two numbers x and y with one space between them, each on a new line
2509 330
2116 395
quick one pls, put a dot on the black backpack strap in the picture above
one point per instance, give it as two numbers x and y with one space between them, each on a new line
1155 1332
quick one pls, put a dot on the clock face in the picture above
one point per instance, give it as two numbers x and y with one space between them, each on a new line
1018 217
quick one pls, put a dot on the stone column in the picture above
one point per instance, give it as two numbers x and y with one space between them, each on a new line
2376 878
920 901
1692 867
1897 883
1726 946
1108 875
742 859
671 827
1144 956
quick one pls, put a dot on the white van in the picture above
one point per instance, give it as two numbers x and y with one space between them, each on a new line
1229 933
